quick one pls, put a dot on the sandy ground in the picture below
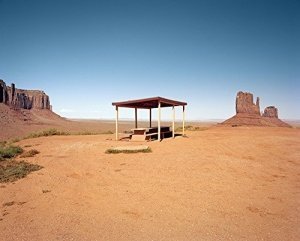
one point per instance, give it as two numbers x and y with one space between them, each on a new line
219 184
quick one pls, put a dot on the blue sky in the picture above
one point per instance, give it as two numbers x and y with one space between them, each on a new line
87 54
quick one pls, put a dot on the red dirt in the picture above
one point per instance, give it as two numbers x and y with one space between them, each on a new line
243 119
220 184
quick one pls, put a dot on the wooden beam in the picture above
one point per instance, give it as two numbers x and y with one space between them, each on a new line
173 123
117 123
150 117
183 119
158 122
136 125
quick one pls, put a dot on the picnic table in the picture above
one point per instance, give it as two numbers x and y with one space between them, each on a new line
150 133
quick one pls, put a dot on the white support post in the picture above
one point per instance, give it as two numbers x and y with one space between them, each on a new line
183 119
117 123
158 122
173 124
150 117
136 125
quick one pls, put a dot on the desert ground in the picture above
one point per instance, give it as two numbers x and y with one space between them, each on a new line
223 183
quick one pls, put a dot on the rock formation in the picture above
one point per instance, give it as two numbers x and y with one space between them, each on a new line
244 103
23 99
270 111
248 113
3 92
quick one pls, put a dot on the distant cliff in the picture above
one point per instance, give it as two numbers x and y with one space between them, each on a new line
248 113
23 99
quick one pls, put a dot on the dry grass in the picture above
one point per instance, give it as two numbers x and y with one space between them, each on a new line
10 151
14 170
192 128
87 133
115 151
30 153
49 132
107 132
8 204
11 170
54 132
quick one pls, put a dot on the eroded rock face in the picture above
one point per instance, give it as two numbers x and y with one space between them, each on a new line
248 113
3 92
270 111
244 104
23 99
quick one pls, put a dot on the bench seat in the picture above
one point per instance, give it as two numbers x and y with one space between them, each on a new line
148 134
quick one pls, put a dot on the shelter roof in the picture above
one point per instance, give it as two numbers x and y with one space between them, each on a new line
149 103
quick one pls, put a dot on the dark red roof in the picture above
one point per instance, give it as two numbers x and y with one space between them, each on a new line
149 103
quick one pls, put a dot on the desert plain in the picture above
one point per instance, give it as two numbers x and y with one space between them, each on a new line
218 183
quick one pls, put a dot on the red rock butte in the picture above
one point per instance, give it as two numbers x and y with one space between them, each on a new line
248 113
23 99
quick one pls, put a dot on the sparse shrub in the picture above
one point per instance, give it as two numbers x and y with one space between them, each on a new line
191 128
50 132
30 153
9 151
3 143
8 204
107 132
54 132
85 133
15 140
16 170
115 151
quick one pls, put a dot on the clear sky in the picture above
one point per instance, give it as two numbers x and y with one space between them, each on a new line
86 54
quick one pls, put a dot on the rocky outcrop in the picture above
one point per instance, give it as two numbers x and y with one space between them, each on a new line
270 111
23 99
3 92
244 103
248 113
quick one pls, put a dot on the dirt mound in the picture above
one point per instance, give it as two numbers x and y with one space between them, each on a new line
17 123
25 111
254 120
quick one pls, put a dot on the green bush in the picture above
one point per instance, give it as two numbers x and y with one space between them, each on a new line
9 151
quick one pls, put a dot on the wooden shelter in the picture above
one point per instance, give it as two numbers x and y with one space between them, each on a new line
151 103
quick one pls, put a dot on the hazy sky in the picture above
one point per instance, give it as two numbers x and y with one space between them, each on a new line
86 54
